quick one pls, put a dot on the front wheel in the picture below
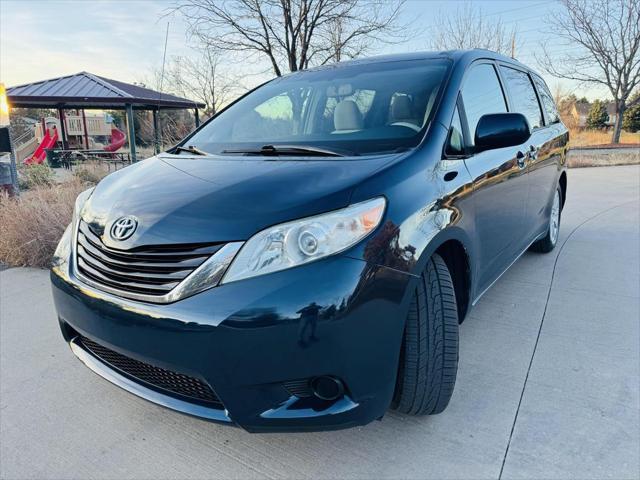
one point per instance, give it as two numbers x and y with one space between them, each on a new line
549 241
429 355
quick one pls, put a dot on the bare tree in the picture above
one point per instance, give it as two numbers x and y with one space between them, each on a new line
293 34
203 77
604 37
468 28
336 44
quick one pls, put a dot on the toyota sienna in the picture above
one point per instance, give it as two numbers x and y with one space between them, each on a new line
302 260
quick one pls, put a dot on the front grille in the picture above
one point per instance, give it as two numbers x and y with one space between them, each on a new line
168 382
148 270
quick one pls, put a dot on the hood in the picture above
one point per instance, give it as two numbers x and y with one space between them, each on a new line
187 199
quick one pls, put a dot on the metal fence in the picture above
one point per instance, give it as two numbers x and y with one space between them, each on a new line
70 158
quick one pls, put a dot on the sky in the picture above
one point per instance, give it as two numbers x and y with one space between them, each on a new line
124 39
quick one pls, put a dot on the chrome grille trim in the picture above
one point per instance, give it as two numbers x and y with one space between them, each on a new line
152 274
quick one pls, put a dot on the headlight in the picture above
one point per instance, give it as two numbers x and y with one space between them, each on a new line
302 241
80 201
63 250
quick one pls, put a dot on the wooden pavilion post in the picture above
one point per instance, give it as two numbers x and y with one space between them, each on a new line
131 132
86 132
197 117
63 128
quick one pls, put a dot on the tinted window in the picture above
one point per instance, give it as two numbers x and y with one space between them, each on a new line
523 95
549 105
359 108
455 146
482 94
274 117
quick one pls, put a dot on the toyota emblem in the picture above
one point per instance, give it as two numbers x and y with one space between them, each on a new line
124 227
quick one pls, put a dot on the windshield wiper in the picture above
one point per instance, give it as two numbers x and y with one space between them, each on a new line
191 149
287 150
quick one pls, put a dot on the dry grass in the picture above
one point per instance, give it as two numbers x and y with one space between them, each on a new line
31 176
32 224
585 138
91 172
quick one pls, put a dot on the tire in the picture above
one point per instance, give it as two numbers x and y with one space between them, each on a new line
550 240
429 354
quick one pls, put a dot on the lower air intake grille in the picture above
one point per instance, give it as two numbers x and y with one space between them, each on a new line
170 383
299 388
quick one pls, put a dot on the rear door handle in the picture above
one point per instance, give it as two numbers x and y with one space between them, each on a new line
533 152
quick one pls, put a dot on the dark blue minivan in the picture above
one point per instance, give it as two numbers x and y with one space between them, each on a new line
302 261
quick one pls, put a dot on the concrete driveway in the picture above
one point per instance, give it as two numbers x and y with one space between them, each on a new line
548 383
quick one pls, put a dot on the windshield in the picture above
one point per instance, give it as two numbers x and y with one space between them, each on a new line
352 110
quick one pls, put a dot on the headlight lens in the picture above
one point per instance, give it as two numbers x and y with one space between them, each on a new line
302 241
63 250
80 201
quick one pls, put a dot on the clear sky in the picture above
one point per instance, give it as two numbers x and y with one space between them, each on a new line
124 39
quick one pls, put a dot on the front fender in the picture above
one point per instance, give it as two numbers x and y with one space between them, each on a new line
429 203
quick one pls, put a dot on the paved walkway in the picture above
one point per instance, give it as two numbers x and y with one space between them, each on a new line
548 381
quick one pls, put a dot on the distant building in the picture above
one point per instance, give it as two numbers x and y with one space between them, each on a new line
580 111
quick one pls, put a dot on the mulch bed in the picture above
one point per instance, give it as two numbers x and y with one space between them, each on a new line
606 146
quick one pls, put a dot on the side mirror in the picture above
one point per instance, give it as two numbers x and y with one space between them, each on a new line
499 130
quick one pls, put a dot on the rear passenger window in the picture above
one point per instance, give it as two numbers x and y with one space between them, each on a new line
550 110
482 95
523 95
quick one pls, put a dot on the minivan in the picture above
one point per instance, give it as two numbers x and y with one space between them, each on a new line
302 261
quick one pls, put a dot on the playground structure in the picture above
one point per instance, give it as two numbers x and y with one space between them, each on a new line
82 131
97 125
48 141
76 135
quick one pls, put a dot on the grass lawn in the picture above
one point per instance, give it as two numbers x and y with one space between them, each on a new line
584 138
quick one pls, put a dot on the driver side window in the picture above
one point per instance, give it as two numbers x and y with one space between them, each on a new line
481 95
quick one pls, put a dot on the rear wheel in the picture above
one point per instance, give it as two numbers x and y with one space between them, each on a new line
549 241
429 355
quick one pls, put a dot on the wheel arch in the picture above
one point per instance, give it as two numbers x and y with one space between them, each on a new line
453 245
456 257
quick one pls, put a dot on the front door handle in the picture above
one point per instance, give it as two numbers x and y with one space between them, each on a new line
521 158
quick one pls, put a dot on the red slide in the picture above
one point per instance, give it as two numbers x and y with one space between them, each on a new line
117 140
48 141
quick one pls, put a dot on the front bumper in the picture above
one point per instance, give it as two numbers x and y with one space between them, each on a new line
338 316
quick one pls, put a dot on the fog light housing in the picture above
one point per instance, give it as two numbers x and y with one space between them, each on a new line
327 388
